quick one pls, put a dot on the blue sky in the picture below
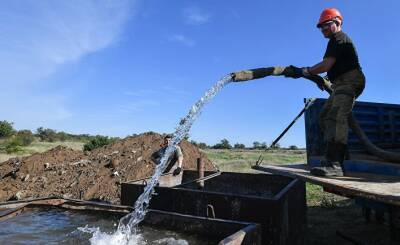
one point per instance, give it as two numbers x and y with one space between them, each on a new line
122 67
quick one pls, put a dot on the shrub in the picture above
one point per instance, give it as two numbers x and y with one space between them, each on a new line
13 146
276 146
239 146
46 134
24 137
6 129
62 136
224 144
98 141
257 145
202 145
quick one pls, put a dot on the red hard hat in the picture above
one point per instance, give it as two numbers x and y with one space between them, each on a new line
329 14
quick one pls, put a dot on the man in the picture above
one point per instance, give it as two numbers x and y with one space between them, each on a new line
174 162
344 71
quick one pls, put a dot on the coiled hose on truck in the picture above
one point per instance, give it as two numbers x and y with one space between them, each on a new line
326 85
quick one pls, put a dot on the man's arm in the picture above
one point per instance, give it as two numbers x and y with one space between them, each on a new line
323 66
180 161
180 156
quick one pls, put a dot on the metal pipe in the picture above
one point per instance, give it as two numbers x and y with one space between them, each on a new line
202 179
200 169
306 106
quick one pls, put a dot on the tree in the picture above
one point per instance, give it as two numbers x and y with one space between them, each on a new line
263 145
6 129
276 146
202 145
224 144
46 134
293 147
25 137
239 146
256 145
62 136
98 141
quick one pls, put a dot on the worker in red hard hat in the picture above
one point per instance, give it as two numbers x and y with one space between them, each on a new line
344 71
348 81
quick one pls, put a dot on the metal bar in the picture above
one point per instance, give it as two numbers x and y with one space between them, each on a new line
200 169
144 179
306 106
201 179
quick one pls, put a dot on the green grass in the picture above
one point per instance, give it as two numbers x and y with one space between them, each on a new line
242 160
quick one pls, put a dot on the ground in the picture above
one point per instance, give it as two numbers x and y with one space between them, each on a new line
327 213
95 175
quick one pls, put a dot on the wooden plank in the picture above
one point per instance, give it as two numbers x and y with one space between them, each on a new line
375 187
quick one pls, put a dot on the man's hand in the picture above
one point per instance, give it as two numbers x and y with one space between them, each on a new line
241 76
177 171
293 72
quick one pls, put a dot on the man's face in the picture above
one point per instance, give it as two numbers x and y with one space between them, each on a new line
167 141
328 28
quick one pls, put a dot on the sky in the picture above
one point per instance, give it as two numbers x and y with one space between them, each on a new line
122 67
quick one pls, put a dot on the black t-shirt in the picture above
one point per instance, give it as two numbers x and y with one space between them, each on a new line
342 48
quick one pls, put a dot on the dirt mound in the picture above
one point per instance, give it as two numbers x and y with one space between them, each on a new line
92 175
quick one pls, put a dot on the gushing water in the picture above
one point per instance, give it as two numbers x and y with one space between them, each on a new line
126 233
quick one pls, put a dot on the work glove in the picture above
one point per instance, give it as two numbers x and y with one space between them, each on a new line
296 72
177 171
241 76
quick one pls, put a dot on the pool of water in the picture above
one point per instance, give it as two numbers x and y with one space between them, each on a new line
60 226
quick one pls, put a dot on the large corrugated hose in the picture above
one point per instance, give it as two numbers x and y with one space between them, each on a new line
326 85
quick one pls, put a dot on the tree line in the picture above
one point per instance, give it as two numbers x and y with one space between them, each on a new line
225 144
13 140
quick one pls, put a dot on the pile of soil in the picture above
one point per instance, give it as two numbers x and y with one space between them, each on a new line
94 175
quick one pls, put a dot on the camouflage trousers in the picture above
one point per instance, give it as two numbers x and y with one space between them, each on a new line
333 119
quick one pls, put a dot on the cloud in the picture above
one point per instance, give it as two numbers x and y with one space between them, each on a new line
38 38
182 39
195 16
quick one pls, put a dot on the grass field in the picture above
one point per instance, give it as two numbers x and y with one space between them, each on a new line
241 160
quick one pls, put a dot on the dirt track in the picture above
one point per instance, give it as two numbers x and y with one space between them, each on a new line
68 173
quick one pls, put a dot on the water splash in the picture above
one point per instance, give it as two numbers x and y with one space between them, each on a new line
116 238
126 232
